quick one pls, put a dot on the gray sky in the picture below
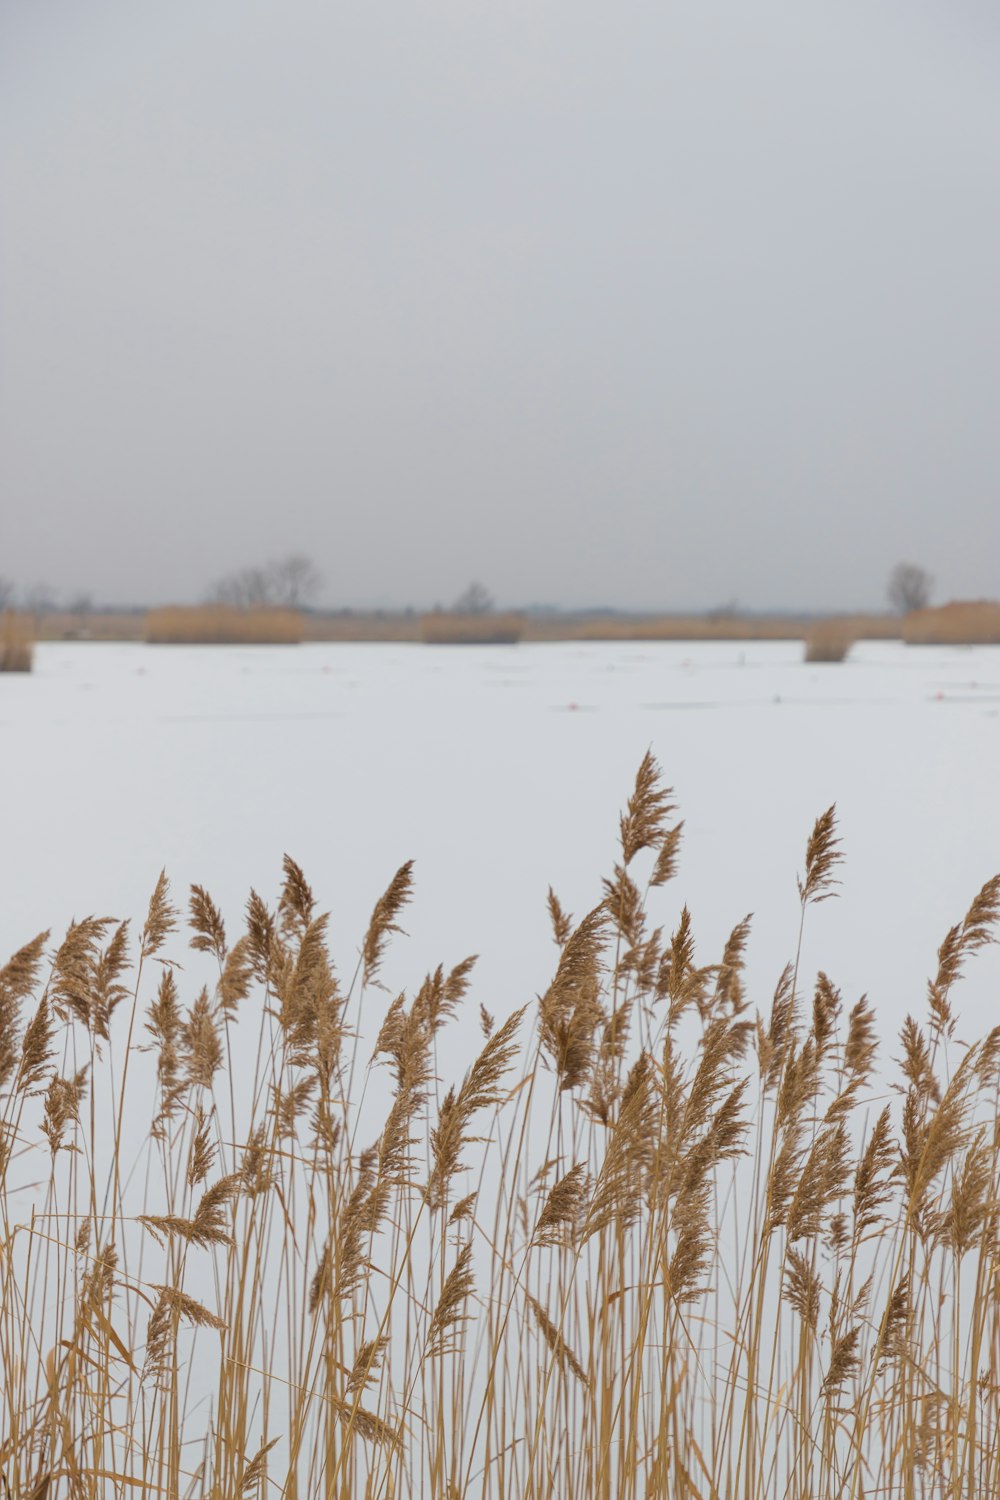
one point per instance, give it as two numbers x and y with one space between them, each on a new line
648 303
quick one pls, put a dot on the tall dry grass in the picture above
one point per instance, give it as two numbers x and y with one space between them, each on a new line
653 1240
961 623
17 643
222 625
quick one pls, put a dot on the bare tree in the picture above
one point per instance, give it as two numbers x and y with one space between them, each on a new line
909 588
8 594
475 600
295 581
248 589
290 582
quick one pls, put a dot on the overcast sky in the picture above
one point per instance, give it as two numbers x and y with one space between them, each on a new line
646 303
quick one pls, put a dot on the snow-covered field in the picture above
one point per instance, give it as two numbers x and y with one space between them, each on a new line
500 770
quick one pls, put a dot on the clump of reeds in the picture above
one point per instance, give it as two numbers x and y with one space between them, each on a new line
829 641
223 625
651 1240
961 623
17 646
445 628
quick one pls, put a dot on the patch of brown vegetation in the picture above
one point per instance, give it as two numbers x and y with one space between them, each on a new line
829 641
17 645
222 625
961 623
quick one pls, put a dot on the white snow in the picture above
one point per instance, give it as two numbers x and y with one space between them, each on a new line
501 770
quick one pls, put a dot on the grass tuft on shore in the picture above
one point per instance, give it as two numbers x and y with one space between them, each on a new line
829 641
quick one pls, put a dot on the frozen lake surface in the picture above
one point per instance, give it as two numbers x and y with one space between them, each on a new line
500 770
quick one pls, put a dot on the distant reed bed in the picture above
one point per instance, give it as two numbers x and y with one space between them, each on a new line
17 642
961 623
650 1239
222 625
446 628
